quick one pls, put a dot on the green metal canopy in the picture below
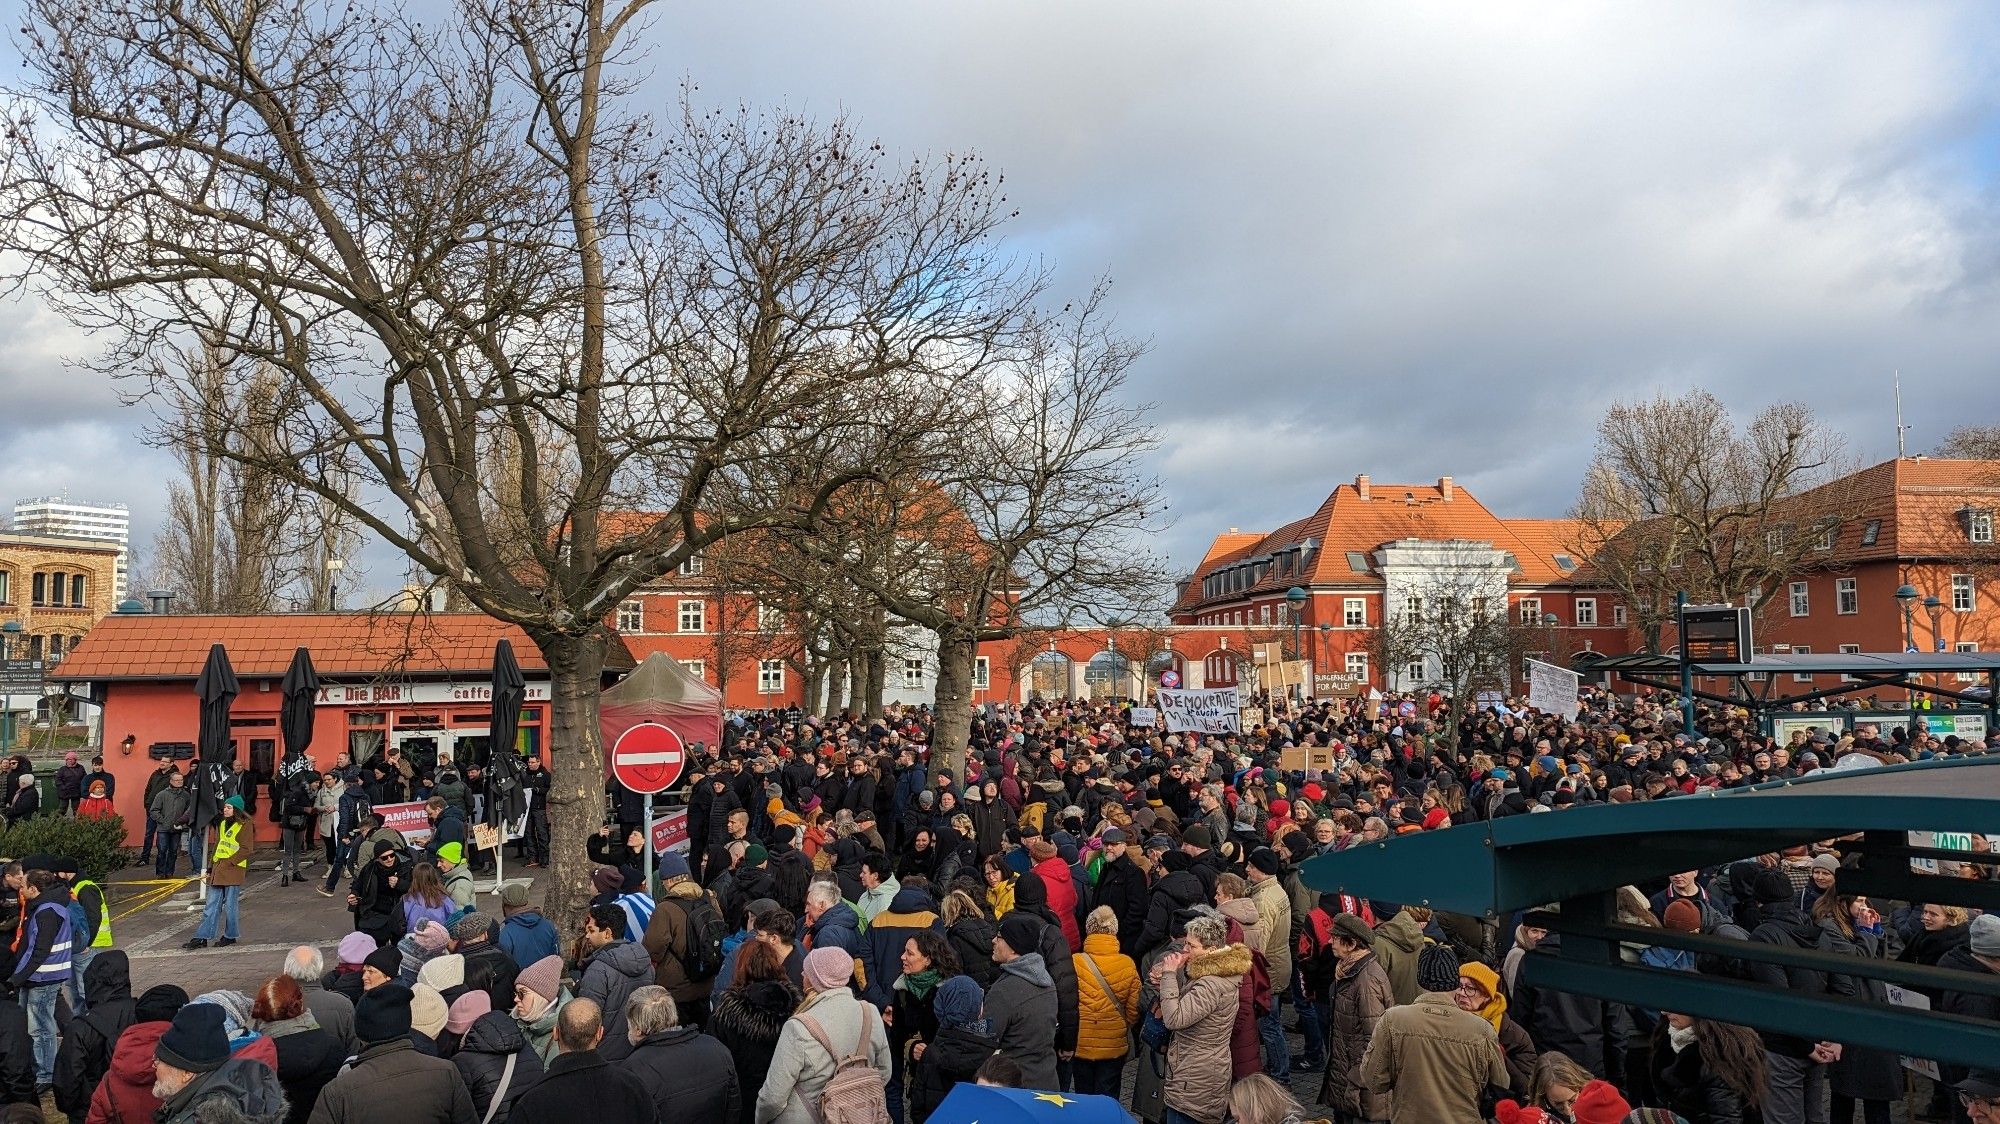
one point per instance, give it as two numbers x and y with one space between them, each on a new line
1580 856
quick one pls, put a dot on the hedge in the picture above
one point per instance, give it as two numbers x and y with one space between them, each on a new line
97 845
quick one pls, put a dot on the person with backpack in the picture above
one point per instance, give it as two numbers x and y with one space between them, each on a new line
295 818
684 939
832 1060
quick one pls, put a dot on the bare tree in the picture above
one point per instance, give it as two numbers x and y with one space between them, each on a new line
1449 620
1680 497
1029 514
1970 443
444 233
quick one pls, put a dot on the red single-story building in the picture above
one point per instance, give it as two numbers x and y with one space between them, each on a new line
419 682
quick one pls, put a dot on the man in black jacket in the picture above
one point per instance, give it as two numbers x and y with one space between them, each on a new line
1797 1066
17 1054
579 1084
1121 886
85 1054
688 1074
1178 889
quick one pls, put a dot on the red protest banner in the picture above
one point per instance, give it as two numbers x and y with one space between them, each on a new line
408 818
670 831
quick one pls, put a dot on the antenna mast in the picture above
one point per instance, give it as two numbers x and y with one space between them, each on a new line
1901 429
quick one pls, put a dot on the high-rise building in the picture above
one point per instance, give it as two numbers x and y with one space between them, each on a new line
61 516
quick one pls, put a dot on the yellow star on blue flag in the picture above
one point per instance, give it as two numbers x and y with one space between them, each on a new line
1056 1099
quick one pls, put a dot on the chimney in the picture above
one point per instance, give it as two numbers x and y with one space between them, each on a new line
1361 485
1446 488
162 599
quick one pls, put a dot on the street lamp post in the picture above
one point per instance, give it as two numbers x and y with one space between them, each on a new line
1295 599
1906 596
1935 608
8 632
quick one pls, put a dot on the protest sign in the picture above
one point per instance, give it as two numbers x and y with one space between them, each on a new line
408 818
1552 689
1916 1001
1143 716
1215 710
670 831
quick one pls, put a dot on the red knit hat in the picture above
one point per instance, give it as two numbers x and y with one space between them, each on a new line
1508 1112
1599 1103
1436 818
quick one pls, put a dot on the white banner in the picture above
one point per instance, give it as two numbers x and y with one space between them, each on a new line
1216 710
1142 716
1552 689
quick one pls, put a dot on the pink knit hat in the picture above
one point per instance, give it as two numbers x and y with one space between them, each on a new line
544 976
466 1009
827 968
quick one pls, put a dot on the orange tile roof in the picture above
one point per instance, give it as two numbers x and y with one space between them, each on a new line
174 646
1346 523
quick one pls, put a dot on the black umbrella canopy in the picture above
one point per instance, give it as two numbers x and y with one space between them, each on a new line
295 717
503 778
217 688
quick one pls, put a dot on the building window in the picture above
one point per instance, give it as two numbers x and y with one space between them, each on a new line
1801 600
1413 611
1354 612
698 668
40 587
6 579
913 675
1871 533
35 648
1846 597
76 590
1586 610
1415 672
631 616
1979 526
770 677
1357 665
1802 676
770 618
1829 531
1849 650
1263 614
1961 593
1531 610
982 674
1618 615
1774 540
1967 647
694 616
692 567
55 648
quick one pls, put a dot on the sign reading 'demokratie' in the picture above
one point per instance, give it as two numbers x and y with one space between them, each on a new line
1215 710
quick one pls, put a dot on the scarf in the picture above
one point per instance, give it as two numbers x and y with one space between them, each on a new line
919 985
1680 1037
1495 1007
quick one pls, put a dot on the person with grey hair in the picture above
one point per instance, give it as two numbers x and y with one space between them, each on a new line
688 1074
1199 988
333 1011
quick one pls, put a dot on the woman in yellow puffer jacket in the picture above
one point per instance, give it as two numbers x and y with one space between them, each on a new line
1106 1009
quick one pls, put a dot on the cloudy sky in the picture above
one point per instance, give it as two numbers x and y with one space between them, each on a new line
1404 239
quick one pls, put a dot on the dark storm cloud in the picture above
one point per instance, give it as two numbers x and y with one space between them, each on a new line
1414 240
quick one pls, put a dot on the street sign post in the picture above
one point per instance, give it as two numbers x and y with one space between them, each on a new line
648 758
1170 679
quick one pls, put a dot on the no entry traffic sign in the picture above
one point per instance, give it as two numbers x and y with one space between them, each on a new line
1170 679
648 758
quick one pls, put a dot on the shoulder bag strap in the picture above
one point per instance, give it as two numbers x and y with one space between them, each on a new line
819 1035
861 1040
500 1090
1116 1009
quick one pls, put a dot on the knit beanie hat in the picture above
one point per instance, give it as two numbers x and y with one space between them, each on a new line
471 927
1437 968
1508 1112
607 880
1681 916
1436 818
543 977
158 1004
1599 1103
466 1009
196 1041
514 895
1198 836
355 947
1985 935
431 936
755 855
1771 886
386 960
442 973
383 1015
957 1001
1267 861
670 865
1023 934
427 1011
1041 850
452 853
827 968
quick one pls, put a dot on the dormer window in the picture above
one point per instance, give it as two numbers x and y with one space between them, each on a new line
1978 523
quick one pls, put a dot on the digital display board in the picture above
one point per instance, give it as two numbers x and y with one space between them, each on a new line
1715 634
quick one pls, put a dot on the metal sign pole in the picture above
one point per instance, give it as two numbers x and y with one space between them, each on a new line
646 843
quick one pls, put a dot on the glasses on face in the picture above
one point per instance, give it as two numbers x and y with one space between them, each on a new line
1969 1100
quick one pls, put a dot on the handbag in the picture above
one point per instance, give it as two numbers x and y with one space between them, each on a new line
1131 1031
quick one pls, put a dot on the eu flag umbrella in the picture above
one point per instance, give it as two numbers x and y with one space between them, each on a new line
503 775
295 724
987 1104
217 688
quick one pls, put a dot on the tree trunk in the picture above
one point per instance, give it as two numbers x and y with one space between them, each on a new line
576 767
837 672
956 654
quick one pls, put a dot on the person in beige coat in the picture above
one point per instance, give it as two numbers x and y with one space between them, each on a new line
1199 990
800 1066
1433 1059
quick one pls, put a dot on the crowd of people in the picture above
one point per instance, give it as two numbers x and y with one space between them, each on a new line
1085 909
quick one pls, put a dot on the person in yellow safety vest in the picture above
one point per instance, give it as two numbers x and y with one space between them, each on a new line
90 921
229 865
